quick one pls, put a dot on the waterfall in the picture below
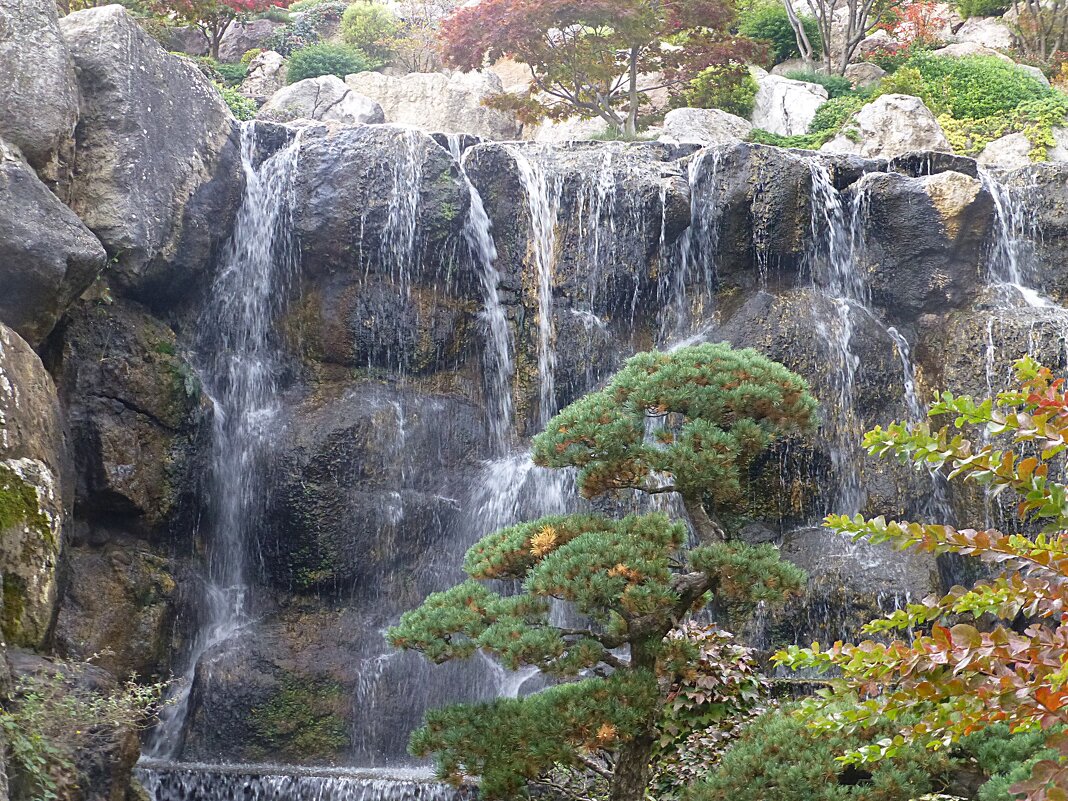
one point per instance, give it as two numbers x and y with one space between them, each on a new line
399 237
239 363
833 261
256 783
543 203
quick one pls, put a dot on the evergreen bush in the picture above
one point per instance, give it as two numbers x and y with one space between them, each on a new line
325 59
982 8
836 85
732 89
372 29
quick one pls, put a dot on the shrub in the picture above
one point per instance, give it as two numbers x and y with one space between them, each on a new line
232 74
306 30
769 22
778 759
372 29
729 88
1035 120
807 141
325 59
240 106
1005 757
836 85
982 8
889 57
833 114
250 55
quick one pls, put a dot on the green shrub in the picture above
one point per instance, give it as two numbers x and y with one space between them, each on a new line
304 31
325 59
250 55
889 57
982 8
240 106
833 114
1005 757
371 28
836 85
769 22
807 141
729 88
305 5
778 759
232 74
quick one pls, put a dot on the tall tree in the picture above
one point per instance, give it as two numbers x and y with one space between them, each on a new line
595 58
963 672
843 25
214 17
631 581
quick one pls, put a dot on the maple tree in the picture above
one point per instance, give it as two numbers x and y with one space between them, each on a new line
960 672
213 17
595 58
630 581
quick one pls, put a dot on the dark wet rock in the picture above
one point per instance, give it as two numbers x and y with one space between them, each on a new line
1041 190
119 607
135 409
919 164
925 241
47 256
157 166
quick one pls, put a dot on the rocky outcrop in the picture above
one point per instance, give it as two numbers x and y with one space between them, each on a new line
40 106
571 129
962 49
324 99
47 256
34 493
157 168
864 74
245 35
784 106
266 75
985 31
890 126
703 126
1007 152
436 102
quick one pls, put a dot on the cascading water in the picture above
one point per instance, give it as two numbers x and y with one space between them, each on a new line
240 365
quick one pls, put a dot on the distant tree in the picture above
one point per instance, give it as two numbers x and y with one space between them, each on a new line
964 670
630 581
213 17
595 58
843 25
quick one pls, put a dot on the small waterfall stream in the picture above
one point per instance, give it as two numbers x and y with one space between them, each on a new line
240 366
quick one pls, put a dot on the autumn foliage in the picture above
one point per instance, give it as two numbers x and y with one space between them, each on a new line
995 653
595 58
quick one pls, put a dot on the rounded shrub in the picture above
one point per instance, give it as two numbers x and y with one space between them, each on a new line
371 28
250 55
729 88
779 759
982 8
307 28
240 106
769 22
325 59
836 85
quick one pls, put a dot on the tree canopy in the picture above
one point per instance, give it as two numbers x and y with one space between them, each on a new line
963 671
595 58
631 581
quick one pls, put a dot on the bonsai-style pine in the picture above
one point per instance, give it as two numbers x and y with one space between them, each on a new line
688 422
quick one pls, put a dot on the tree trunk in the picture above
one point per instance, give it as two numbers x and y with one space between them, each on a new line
633 768
631 129
707 527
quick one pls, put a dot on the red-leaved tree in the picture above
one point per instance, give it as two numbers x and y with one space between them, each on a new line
995 653
595 58
213 17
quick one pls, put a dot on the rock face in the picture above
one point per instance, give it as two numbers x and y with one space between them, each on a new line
47 256
890 126
864 74
962 49
785 106
157 174
436 102
985 31
34 496
702 126
266 75
40 106
1008 152
325 99
245 35
572 129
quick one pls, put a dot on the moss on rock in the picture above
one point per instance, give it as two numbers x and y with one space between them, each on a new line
302 721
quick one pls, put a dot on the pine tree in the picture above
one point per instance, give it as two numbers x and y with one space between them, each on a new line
689 422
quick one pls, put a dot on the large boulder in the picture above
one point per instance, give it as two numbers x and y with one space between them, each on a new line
325 99
436 102
34 496
571 129
864 74
785 106
703 126
158 174
47 256
986 31
962 49
40 106
135 409
187 39
245 35
890 126
924 241
1059 152
266 75
1007 152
